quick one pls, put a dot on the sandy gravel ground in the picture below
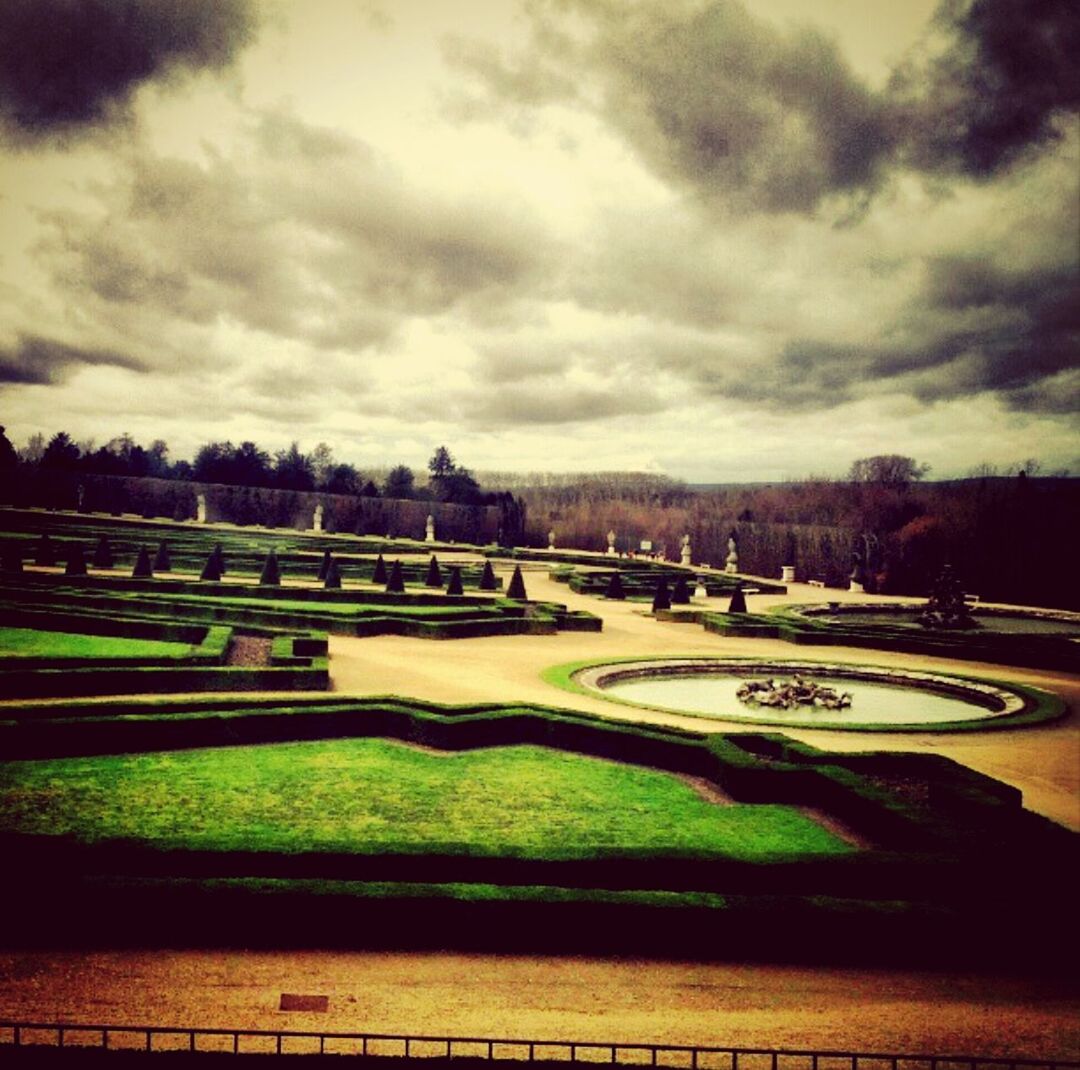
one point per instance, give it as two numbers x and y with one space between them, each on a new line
598 999
532 997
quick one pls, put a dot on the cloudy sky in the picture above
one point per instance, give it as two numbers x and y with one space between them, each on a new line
719 240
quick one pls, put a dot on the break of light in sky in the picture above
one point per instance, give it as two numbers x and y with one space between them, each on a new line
719 240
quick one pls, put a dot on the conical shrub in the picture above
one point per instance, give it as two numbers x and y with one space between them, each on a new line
212 569
738 600
271 574
324 565
332 579
662 599
680 593
517 586
103 557
487 578
45 554
142 569
615 587
379 575
163 559
76 561
455 585
396 583
220 555
434 573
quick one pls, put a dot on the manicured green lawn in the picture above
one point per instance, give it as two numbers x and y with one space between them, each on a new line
29 642
366 795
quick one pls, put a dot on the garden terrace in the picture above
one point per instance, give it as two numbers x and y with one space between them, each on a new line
639 583
299 554
344 612
45 655
308 827
794 625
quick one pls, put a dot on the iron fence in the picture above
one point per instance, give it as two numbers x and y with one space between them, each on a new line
676 1056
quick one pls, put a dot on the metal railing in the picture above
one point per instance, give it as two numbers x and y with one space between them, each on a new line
684 1056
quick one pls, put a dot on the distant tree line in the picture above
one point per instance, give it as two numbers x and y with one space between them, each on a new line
52 472
1008 537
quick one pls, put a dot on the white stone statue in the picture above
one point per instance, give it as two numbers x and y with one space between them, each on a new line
429 529
731 562
551 539
684 551
316 520
611 543
200 509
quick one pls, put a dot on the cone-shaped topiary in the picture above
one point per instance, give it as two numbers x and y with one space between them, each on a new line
76 561
45 553
680 593
324 565
271 574
163 559
517 586
738 600
379 575
220 555
434 573
332 579
11 558
142 569
661 600
615 587
212 569
487 578
455 585
103 557
396 583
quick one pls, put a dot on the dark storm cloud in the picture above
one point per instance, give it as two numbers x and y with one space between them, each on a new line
973 328
711 97
37 360
302 233
995 87
747 114
71 64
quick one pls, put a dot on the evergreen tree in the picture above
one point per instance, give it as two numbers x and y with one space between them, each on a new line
738 600
379 575
162 559
615 586
332 579
487 578
455 585
142 569
271 574
76 561
434 574
324 565
212 569
396 583
662 599
103 557
517 586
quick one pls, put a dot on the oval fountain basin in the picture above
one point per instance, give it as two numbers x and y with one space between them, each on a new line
880 697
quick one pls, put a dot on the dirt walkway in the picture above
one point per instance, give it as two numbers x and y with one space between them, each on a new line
551 998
